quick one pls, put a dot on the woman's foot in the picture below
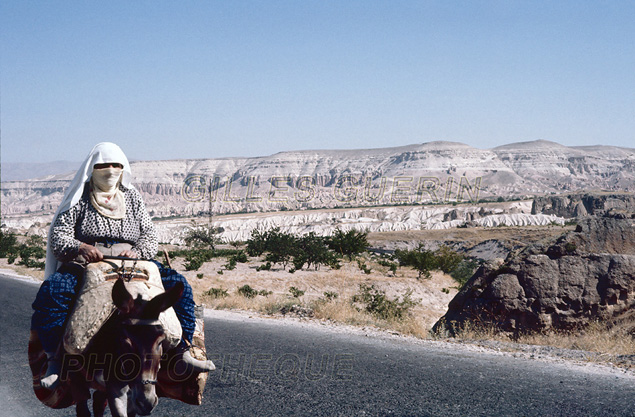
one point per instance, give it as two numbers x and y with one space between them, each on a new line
197 364
52 376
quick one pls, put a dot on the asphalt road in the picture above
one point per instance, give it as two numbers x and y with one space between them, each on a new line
268 369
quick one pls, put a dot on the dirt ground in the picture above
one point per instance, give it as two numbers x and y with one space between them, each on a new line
432 295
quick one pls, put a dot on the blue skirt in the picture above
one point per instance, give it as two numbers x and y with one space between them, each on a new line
57 293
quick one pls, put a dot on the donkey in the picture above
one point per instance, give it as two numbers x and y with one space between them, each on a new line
123 358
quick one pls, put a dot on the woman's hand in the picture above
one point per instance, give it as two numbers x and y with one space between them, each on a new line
129 254
90 253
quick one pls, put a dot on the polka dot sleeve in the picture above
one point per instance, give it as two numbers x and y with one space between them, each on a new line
147 244
63 242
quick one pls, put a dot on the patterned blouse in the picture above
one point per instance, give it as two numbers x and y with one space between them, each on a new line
82 223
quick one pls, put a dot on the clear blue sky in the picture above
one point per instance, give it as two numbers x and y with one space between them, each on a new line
168 79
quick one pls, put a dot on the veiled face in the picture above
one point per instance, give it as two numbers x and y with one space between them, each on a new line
106 175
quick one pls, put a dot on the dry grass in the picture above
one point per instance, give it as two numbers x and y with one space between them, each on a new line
21 269
597 337
345 282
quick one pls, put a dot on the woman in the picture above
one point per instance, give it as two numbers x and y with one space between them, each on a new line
100 207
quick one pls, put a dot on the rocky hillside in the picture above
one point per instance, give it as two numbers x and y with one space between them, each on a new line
587 274
435 172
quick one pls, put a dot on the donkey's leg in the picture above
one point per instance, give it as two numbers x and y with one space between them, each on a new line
100 401
81 396
80 393
82 409
118 401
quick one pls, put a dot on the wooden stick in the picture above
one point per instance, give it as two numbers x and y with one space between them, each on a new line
167 259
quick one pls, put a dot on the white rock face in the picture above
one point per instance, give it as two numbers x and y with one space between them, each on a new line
435 172
238 227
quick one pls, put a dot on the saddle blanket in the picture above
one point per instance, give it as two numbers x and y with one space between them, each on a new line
94 303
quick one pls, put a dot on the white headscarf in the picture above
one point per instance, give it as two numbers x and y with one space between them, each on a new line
102 153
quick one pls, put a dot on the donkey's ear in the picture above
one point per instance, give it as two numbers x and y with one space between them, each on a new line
121 297
164 301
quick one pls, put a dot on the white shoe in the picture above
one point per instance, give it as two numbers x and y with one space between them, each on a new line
197 364
52 376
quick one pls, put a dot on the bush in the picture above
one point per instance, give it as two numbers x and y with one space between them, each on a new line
420 259
195 258
247 291
378 304
29 252
313 251
264 267
202 236
392 266
241 257
216 292
8 244
464 271
363 267
257 244
447 259
348 243
231 264
280 247
295 292
330 295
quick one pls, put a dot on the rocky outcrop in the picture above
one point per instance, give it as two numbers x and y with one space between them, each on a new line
583 204
584 275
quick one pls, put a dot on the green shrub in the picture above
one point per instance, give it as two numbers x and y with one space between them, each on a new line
264 267
420 259
313 251
30 253
348 243
447 259
378 304
464 271
8 244
362 266
247 291
295 292
257 243
231 264
392 266
284 248
195 258
241 257
200 236
330 295
216 292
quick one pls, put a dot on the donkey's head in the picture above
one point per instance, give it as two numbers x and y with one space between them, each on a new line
140 345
